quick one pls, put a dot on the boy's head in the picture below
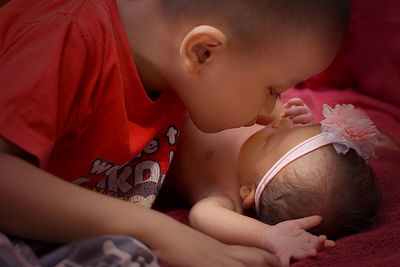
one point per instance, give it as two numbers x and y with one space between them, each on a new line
340 188
236 56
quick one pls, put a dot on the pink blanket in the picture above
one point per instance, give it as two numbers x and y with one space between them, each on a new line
366 73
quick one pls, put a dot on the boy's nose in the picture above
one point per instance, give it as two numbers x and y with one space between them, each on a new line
264 115
269 105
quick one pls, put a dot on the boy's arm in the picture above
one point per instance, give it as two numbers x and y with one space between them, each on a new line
37 205
216 216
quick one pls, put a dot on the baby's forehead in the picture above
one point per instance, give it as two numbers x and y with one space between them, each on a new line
318 161
299 134
281 143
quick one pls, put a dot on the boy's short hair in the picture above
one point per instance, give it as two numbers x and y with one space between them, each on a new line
257 19
340 188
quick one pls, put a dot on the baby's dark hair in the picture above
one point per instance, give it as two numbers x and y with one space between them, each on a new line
257 19
340 188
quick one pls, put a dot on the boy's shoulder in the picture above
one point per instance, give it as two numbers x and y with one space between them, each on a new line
28 12
86 20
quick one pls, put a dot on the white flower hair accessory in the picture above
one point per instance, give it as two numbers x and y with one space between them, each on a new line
348 127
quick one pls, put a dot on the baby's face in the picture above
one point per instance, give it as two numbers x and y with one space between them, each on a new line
261 150
240 85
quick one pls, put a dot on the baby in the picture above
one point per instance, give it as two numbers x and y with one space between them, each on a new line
303 172
285 173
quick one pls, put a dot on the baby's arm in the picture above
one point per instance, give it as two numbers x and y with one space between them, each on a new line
37 205
215 215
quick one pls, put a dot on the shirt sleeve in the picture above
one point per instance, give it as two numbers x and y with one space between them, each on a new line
42 70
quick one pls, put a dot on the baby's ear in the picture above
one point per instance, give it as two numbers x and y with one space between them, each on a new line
247 194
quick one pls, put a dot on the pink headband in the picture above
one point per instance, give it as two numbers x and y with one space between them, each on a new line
345 127
298 151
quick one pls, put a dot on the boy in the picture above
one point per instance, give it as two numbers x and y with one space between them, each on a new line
76 106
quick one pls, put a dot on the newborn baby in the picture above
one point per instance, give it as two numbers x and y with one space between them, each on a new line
304 172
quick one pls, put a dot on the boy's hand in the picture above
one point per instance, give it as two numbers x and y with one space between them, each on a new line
297 111
192 249
290 240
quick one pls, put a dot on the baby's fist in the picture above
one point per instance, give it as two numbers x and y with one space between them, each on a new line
298 112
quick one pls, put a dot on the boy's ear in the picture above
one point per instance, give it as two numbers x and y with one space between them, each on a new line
247 194
199 47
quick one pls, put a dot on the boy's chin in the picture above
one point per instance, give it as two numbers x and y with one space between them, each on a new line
209 127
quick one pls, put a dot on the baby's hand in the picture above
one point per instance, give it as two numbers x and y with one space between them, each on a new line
297 111
290 240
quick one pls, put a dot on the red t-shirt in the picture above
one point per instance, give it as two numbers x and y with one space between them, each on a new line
71 96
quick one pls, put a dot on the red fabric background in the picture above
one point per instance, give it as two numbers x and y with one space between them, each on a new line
369 59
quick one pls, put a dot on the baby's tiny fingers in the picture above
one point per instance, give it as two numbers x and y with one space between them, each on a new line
304 253
303 119
330 243
320 243
315 242
294 111
294 102
285 260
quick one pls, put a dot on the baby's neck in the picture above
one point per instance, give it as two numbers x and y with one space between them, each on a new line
221 163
